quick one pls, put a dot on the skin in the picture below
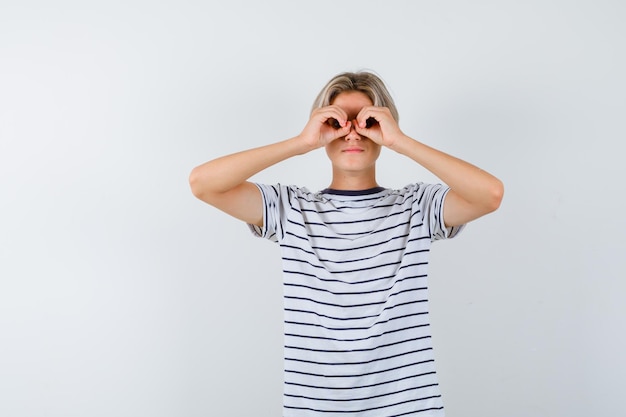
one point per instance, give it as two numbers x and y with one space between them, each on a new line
353 150
353 156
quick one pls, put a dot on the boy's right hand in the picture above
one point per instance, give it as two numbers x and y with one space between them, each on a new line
319 130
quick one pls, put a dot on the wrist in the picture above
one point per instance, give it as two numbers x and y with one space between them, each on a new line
301 145
403 144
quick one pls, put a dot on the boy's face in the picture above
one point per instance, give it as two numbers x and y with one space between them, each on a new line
353 152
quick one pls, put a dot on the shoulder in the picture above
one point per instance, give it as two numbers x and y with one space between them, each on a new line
418 189
286 192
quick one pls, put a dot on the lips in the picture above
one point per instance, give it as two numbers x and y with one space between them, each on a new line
352 150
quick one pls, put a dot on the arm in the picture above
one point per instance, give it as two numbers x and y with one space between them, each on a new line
223 182
473 192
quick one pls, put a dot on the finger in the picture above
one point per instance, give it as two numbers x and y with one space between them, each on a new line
367 117
337 123
333 132
344 130
337 117
330 112
371 115
368 123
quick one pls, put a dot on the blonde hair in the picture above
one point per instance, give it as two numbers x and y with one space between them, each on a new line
364 81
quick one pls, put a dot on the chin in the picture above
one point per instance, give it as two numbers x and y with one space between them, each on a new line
354 168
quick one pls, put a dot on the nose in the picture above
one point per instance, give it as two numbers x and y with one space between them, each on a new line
353 135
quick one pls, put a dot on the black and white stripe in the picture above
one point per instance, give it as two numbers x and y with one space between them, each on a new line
357 330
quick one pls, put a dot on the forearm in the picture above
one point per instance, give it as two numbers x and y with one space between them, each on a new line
471 183
225 173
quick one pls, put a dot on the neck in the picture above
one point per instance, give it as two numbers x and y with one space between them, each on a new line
353 181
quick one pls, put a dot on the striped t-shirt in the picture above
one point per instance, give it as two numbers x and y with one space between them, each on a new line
356 331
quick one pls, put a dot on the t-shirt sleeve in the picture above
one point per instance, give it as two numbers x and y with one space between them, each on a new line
431 199
271 228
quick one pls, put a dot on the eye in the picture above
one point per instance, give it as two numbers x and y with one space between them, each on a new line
334 123
370 122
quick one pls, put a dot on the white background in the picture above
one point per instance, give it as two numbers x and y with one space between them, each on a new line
123 295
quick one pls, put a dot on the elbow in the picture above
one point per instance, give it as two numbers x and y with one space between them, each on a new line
195 183
202 184
496 193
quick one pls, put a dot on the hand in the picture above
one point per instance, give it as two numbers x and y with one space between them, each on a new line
319 130
385 131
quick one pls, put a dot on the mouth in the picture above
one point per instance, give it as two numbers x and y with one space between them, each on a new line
352 150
